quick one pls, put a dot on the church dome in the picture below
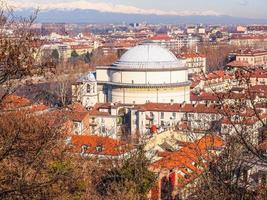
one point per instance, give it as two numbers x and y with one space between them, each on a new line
148 56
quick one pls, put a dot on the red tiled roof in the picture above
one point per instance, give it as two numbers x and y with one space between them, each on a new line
190 153
194 84
205 96
96 109
109 146
175 107
68 40
248 37
77 107
190 55
12 102
38 107
76 112
160 37
160 107
80 47
87 34
259 73
183 159
220 74
258 88
107 106
236 63
125 43
77 116
250 52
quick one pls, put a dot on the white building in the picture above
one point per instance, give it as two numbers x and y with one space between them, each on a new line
166 116
85 90
106 119
191 30
195 62
252 57
145 73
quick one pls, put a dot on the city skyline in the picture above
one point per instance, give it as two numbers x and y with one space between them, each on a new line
237 8
133 99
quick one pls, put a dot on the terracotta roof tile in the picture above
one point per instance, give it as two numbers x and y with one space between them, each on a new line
190 55
12 102
236 63
108 145
161 37
77 107
77 116
190 153
175 107
249 37
80 47
189 159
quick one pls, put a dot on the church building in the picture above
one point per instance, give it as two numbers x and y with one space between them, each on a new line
145 73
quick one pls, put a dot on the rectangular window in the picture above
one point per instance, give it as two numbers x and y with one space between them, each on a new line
190 115
88 89
162 115
76 128
76 125
99 148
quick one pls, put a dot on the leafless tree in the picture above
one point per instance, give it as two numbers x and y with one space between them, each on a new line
19 49
243 128
216 54
34 163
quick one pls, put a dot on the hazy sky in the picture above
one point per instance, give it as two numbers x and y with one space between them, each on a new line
242 8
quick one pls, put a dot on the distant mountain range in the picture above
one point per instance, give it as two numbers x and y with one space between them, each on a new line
93 16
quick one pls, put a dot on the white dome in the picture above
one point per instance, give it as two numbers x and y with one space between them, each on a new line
148 56
89 77
148 53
